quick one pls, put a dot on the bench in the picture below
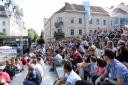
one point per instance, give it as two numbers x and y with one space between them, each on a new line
60 71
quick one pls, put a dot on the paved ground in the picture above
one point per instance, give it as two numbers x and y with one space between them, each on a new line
49 77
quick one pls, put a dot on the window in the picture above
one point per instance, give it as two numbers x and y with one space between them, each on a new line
80 32
116 20
104 22
90 22
4 23
4 30
72 31
59 19
59 30
111 22
98 22
80 20
72 20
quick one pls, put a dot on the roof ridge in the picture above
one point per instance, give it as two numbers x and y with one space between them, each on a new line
72 6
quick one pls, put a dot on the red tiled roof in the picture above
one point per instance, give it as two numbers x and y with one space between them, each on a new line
80 8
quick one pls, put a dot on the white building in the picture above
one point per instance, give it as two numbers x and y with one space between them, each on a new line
71 19
119 16
11 19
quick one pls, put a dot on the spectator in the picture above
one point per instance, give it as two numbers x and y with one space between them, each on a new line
118 72
57 60
83 82
10 68
40 61
110 45
5 76
72 76
77 57
99 70
122 52
33 77
3 82
37 66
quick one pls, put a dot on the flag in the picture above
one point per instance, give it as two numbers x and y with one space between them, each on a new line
87 9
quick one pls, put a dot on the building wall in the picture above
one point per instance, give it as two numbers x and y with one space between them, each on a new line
76 26
101 25
116 20
5 26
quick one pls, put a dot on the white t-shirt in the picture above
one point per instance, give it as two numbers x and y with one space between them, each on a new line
58 57
73 77
39 68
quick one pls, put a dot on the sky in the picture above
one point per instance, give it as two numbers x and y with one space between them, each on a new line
36 10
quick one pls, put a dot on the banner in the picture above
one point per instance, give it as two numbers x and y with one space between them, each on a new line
87 10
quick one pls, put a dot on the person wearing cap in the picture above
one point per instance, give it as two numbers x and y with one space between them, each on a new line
116 71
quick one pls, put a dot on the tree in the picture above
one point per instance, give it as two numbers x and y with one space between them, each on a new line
32 35
59 35
40 41
2 34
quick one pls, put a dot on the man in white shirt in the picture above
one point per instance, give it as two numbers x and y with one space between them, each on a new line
72 76
38 67
57 60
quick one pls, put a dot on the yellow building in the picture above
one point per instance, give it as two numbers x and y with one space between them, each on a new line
71 19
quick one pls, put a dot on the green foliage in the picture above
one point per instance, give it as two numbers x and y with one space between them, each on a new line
32 34
59 35
40 41
2 34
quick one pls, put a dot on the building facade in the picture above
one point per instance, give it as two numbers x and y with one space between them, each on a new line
72 20
119 16
11 19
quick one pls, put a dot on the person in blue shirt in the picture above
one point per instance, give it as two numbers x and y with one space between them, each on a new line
116 71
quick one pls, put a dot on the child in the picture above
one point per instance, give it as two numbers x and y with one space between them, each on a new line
90 70
99 70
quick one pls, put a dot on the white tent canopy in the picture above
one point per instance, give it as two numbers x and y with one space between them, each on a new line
5 47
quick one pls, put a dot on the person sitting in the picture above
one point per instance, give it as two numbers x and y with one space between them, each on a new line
10 68
83 82
118 72
122 53
72 77
37 66
33 77
5 76
3 82
57 60
100 69
76 57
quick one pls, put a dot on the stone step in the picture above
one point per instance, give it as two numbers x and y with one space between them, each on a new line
60 71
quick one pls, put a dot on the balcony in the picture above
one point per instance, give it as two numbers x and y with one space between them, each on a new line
59 24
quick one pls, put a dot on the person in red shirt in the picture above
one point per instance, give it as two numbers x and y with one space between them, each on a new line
24 60
5 76
76 57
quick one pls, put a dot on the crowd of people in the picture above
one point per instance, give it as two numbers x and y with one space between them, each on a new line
80 58
82 63
33 61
